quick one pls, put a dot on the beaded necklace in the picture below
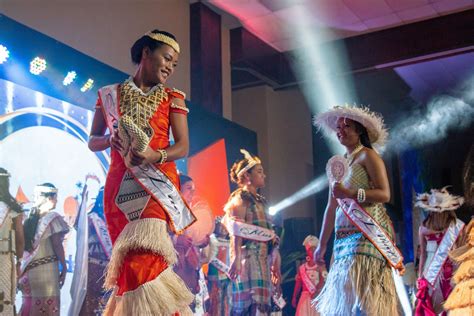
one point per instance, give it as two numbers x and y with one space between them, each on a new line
350 157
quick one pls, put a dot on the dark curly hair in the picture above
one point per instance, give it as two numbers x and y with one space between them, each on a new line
236 168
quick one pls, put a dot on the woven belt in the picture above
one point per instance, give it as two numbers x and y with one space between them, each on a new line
41 261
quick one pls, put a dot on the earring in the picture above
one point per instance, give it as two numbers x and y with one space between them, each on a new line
308 258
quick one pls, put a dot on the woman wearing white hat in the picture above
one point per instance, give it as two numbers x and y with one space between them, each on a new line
437 235
309 280
360 279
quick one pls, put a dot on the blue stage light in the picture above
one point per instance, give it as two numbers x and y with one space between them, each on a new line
71 75
4 54
37 66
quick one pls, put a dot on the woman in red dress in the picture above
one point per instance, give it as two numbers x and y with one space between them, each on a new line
141 197
435 265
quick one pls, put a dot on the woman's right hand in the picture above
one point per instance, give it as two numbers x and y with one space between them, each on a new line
235 269
319 253
115 141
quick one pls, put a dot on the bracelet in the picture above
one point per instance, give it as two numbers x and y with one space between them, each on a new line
361 195
164 156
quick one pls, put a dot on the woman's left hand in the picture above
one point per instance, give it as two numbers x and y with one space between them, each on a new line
341 192
275 274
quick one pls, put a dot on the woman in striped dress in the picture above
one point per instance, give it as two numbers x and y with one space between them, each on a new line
250 254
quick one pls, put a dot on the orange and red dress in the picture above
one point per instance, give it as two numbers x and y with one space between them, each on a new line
140 269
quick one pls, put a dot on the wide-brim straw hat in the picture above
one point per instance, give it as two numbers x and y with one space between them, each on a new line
438 201
372 121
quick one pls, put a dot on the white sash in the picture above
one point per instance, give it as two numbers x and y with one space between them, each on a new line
306 280
247 231
221 266
434 268
102 233
3 212
40 230
151 178
373 232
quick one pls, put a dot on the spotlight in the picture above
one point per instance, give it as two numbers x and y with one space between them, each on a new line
71 75
4 54
315 186
37 66
88 85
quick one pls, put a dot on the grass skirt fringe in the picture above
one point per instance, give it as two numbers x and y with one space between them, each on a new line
164 296
147 234
461 297
358 284
167 294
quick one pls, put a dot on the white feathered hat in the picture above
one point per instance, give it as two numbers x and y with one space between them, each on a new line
372 121
438 201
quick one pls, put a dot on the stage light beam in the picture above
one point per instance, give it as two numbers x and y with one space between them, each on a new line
315 186
320 66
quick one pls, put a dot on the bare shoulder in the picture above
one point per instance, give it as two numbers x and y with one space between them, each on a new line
369 153
369 156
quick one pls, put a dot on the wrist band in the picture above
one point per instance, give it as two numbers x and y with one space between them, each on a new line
361 195
164 156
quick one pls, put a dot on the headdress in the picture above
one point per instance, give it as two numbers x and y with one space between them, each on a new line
160 37
438 201
372 121
252 162
41 192
310 241
44 189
